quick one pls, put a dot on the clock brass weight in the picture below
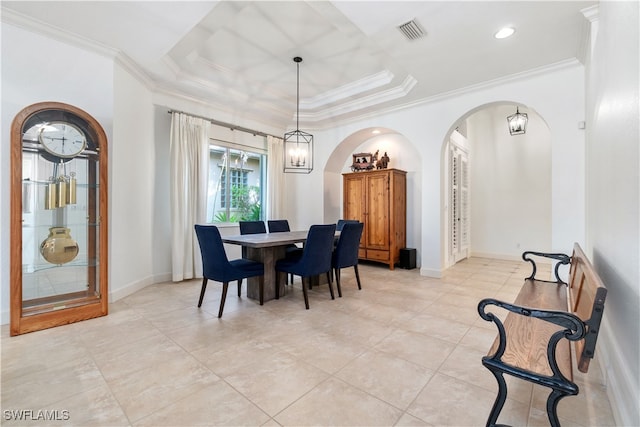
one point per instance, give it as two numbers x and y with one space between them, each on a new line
58 217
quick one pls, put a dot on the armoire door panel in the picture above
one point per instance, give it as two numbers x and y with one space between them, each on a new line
378 212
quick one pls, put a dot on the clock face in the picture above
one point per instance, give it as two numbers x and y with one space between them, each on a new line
62 139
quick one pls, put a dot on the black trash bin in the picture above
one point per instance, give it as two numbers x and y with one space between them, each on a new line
408 258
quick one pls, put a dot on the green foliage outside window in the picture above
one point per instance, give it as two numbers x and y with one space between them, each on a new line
247 201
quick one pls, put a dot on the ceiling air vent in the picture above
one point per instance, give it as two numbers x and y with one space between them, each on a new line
412 30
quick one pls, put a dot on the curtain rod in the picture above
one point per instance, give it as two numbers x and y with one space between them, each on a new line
227 125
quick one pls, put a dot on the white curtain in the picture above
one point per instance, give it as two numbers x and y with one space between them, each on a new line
275 178
189 154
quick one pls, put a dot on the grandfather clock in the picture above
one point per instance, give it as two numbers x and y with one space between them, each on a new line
58 217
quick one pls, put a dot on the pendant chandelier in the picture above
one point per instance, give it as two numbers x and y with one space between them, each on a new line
298 145
517 123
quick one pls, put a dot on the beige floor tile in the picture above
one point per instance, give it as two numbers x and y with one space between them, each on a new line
327 352
417 348
465 364
217 404
386 377
465 403
408 420
335 403
41 388
437 327
145 391
275 382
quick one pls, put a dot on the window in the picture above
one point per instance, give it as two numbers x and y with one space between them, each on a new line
235 192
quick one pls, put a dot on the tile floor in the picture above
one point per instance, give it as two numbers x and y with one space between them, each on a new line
403 351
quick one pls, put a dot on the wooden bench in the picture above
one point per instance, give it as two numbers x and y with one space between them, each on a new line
534 340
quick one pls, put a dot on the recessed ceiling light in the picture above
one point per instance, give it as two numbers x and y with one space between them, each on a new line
504 33
375 131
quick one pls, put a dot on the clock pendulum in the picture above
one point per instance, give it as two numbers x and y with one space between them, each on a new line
62 141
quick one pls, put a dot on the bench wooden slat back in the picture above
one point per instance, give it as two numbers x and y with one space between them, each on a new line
587 295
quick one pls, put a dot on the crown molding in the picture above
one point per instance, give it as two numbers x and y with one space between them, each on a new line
592 13
558 66
358 104
168 97
17 19
349 90
134 69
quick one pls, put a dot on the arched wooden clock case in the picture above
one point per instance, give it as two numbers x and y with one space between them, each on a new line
58 217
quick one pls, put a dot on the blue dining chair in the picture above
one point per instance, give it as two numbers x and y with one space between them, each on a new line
216 266
281 226
278 225
341 222
251 227
315 259
346 252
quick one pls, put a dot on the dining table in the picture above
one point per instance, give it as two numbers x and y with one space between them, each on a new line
266 248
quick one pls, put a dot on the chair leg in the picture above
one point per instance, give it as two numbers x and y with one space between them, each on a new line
355 267
304 291
338 282
330 286
277 287
204 288
225 286
240 287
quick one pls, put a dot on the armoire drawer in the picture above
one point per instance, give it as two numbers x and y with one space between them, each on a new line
377 255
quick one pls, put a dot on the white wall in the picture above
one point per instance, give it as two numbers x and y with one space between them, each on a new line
36 69
510 184
613 197
131 187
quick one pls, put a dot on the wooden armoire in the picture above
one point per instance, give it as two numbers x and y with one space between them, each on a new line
378 199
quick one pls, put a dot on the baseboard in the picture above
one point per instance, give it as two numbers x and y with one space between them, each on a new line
430 272
622 385
502 257
117 294
160 278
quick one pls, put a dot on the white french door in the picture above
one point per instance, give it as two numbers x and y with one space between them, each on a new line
459 202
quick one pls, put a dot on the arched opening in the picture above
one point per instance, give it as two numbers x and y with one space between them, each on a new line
496 188
403 155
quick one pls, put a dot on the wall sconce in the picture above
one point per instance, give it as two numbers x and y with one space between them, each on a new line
517 123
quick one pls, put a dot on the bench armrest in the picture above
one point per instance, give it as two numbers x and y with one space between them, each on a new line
574 328
563 259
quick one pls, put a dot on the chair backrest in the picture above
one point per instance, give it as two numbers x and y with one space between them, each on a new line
346 252
278 225
342 222
316 256
252 227
214 257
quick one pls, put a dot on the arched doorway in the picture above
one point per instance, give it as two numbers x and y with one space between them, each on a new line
496 188
403 155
